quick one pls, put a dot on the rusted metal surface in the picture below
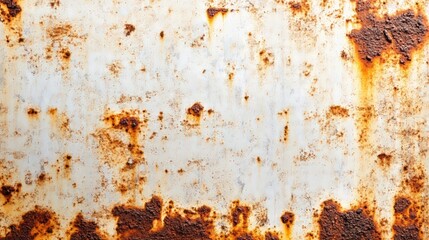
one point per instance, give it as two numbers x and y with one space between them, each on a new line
214 119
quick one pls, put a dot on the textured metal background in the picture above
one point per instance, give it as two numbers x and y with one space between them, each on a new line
269 103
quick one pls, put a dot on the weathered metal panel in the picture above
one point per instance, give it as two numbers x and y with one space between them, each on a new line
214 119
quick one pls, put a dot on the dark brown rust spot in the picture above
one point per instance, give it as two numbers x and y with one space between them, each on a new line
348 225
161 34
129 28
136 223
196 110
401 204
288 218
33 111
384 159
85 230
7 192
34 224
402 32
13 10
211 12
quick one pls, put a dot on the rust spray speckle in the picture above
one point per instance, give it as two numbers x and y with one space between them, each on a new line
354 224
85 230
402 32
35 224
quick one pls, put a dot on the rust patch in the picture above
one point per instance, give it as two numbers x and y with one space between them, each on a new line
33 113
196 110
401 204
285 133
212 12
128 29
60 121
37 223
115 69
384 160
161 34
12 10
119 144
287 219
339 111
84 230
136 223
266 58
148 223
407 220
7 191
299 7
54 3
402 32
355 224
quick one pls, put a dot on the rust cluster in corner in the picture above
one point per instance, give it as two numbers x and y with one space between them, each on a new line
13 9
402 32
37 223
83 230
212 12
407 222
355 224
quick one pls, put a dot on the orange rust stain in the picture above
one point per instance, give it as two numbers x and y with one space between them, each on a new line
60 121
338 111
288 218
212 11
85 230
210 111
161 34
38 223
301 7
246 98
408 220
335 224
403 32
128 29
